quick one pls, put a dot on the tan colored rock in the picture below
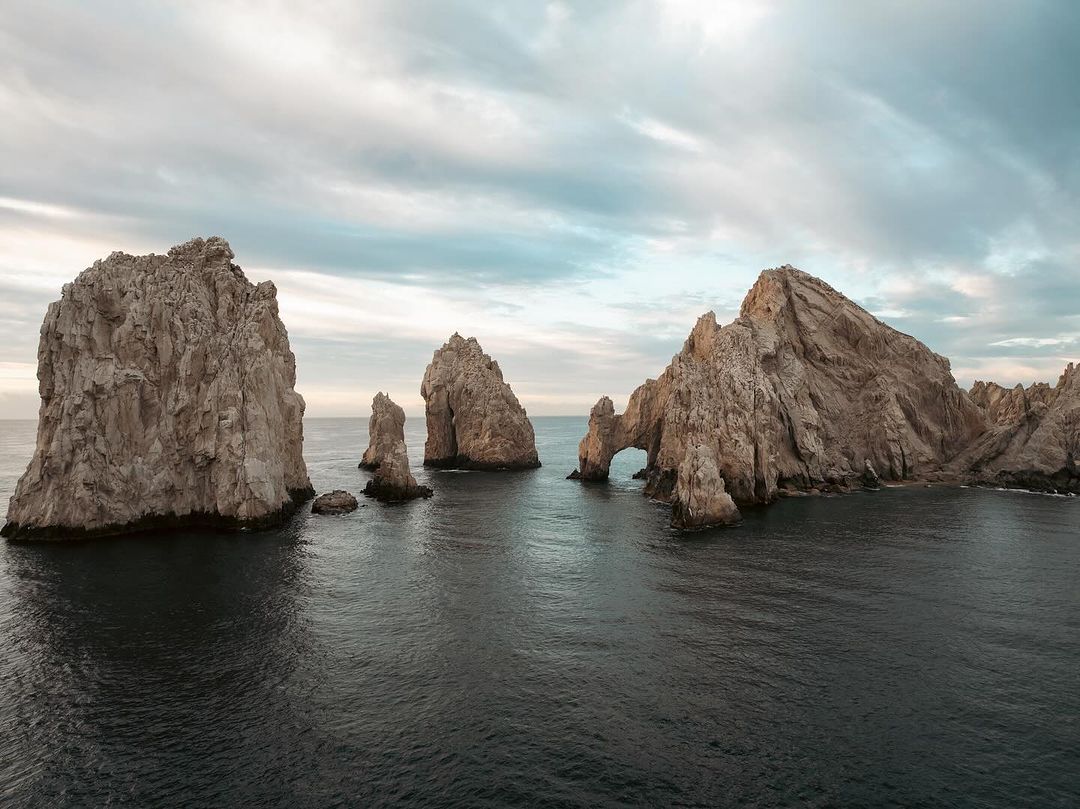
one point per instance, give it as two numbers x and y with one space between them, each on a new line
386 428
700 498
167 399
800 391
1034 440
392 480
474 420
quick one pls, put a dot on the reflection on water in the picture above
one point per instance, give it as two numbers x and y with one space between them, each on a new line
520 639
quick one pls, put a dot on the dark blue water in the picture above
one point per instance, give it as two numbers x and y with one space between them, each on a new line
522 640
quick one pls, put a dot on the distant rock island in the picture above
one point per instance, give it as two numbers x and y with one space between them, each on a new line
474 420
807 391
167 399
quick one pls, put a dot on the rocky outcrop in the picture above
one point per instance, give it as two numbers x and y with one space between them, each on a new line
1034 438
336 502
386 428
700 498
800 392
474 420
392 481
167 399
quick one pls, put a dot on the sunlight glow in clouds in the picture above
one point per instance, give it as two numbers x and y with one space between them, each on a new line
571 182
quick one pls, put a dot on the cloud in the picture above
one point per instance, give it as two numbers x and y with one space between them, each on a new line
577 179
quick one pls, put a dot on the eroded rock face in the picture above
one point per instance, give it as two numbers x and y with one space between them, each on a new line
336 502
385 429
801 391
167 399
1034 438
700 498
393 481
474 420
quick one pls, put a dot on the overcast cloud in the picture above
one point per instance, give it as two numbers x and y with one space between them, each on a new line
572 183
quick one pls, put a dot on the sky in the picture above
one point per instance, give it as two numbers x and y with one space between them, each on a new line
570 183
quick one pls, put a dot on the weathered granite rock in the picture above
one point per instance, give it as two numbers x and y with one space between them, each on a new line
799 392
386 428
1034 438
338 501
393 481
474 420
700 498
167 399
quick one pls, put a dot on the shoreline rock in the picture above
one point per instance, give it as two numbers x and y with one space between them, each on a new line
167 401
474 420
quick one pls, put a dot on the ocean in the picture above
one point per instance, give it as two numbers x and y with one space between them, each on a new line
524 640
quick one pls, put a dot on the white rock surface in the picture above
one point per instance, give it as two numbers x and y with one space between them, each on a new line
167 399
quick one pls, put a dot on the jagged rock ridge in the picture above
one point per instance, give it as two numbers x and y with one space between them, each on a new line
474 420
167 399
1034 438
801 391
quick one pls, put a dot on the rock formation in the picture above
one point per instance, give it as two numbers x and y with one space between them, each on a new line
801 391
700 498
474 420
167 399
338 501
386 428
1034 438
393 481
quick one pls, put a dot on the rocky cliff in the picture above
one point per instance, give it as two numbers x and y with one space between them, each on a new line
388 455
167 399
800 391
1034 438
474 420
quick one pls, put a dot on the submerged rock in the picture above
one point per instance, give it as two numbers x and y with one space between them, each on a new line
393 481
386 428
474 420
167 400
799 392
700 498
338 501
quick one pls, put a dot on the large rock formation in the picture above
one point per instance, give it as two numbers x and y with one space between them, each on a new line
474 420
166 399
800 391
392 481
386 428
1034 438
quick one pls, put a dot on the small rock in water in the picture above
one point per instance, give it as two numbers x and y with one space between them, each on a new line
338 501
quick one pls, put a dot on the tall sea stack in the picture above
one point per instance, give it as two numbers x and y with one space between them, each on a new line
474 420
167 400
